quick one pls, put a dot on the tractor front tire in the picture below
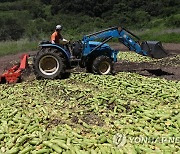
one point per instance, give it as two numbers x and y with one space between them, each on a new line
49 64
102 65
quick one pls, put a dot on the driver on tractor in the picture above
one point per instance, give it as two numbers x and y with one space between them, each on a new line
57 38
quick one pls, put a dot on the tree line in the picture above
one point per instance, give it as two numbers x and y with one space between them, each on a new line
37 19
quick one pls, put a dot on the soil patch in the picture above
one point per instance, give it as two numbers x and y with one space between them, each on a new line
149 69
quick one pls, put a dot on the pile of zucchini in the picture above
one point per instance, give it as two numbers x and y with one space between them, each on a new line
83 113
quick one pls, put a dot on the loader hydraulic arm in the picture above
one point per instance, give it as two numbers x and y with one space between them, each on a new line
114 32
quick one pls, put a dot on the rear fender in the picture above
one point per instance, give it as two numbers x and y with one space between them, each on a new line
66 53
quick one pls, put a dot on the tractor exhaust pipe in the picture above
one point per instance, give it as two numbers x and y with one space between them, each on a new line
154 49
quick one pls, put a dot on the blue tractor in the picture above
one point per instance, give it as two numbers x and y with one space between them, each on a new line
53 60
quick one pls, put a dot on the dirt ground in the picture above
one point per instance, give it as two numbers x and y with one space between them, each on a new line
168 68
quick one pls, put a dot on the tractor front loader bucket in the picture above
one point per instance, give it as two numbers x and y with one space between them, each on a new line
154 49
13 74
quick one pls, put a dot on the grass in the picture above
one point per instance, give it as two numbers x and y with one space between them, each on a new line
161 34
13 47
167 38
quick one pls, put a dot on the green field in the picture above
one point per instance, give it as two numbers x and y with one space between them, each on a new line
13 47
173 37
83 113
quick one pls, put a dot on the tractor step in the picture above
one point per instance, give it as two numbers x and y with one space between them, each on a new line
74 62
13 74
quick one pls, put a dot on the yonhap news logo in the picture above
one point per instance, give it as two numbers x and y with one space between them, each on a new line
120 140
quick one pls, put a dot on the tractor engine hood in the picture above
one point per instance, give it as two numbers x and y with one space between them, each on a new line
94 44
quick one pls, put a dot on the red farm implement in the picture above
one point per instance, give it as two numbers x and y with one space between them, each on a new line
13 75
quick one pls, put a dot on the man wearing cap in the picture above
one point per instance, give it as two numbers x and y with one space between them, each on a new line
56 36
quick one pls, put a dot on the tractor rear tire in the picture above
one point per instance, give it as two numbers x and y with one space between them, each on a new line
49 63
102 65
